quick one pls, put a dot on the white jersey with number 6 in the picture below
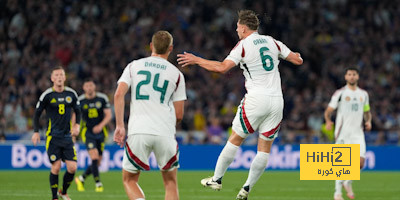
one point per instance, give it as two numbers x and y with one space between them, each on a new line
262 107
350 105
259 58
155 84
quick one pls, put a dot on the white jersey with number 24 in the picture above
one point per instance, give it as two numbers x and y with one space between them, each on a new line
155 84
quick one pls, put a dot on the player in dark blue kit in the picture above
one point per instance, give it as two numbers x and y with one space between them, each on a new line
59 102
96 113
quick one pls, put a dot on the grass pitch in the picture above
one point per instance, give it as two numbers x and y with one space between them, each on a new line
278 185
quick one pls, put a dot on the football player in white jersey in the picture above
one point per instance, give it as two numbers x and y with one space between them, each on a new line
262 107
352 104
157 105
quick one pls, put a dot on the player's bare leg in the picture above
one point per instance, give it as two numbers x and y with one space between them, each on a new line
94 154
348 183
132 188
225 158
55 167
170 184
257 167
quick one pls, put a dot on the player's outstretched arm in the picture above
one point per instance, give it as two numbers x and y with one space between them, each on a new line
295 58
187 59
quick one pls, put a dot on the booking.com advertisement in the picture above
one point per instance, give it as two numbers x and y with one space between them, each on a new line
192 157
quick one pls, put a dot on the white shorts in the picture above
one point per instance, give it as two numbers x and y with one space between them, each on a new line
259 112
138 149
354 140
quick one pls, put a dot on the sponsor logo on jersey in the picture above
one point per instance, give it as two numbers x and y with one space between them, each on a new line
98 104
68 99
60 99
85 106
53 100
347 98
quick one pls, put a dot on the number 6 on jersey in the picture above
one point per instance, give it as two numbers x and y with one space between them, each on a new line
266 57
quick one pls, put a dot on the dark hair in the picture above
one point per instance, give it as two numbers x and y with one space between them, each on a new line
89 80
352 69
248 18
161 41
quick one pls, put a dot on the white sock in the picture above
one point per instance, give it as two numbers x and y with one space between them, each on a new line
224 160
338 186
257 168
347 182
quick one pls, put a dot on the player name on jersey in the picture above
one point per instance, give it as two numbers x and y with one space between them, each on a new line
155 65
259 41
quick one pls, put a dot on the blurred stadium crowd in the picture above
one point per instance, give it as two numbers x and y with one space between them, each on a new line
98 39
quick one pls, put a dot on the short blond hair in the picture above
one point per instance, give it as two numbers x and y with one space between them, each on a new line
248 18
161 40
57 68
